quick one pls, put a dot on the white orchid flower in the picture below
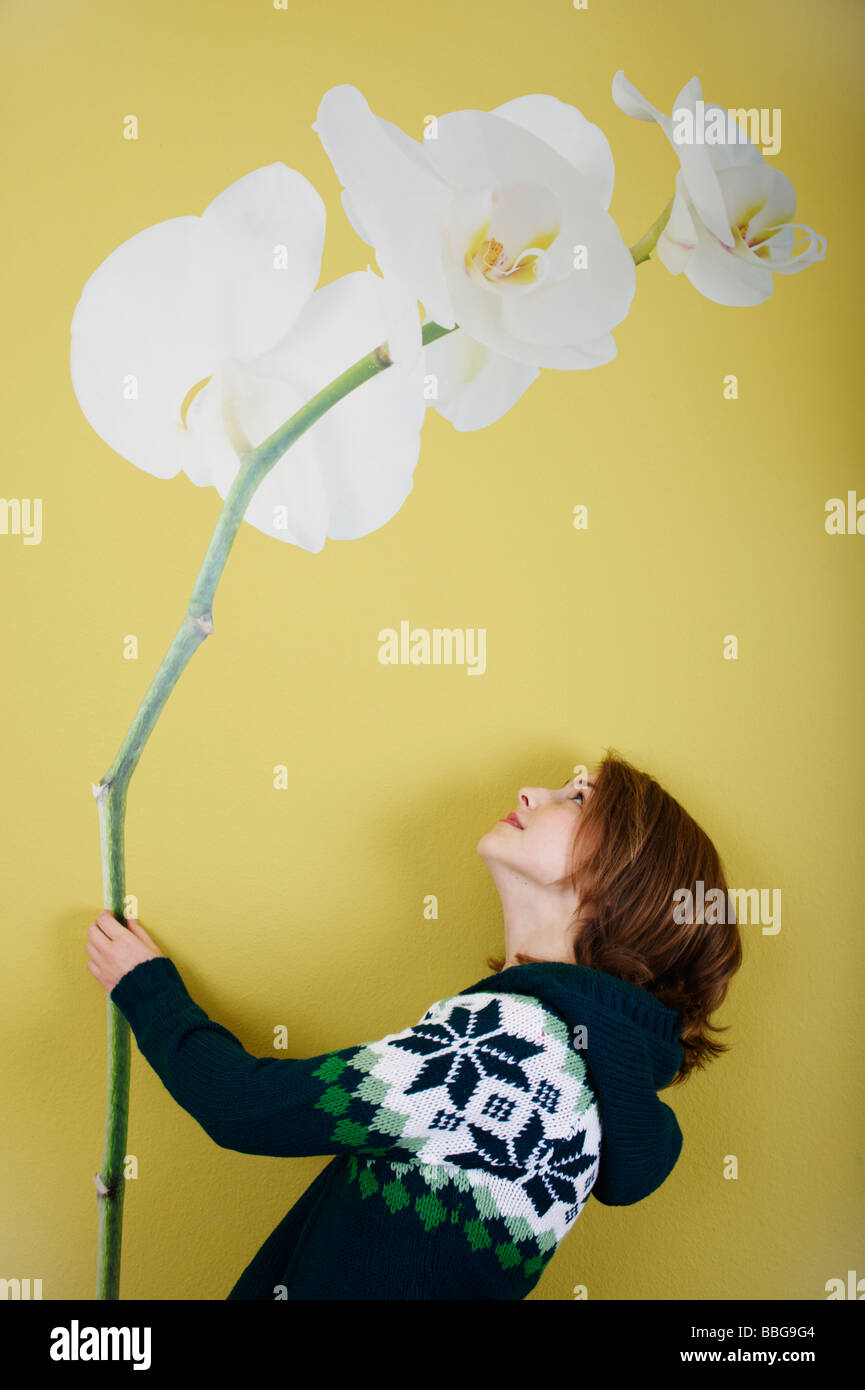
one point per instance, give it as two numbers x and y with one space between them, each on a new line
730 229
199 336
499 225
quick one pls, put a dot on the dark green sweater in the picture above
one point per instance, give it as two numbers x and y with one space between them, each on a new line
464 1147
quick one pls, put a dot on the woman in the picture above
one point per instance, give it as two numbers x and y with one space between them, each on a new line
465 1147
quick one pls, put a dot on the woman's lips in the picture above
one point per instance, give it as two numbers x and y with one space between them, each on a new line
511 820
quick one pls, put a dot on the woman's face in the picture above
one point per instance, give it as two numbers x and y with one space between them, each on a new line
535 841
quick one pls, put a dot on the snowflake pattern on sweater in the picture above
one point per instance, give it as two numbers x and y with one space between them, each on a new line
490 1096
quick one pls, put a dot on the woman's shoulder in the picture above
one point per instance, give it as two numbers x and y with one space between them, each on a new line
514 1042
482 1011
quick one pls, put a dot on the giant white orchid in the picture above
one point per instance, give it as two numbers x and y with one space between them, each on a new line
498 224
197 337
731 227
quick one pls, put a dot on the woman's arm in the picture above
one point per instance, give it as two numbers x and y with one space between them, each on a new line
469 1084
257 1105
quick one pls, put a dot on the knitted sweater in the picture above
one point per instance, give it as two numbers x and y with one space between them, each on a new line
464 1147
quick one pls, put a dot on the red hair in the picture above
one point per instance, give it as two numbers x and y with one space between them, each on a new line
634 847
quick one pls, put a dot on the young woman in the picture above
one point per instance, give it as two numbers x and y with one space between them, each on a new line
465 1147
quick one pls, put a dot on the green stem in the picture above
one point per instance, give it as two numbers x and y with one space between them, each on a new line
110 793
642 249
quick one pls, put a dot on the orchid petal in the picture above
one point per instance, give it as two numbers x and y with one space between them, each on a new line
698 171
566 129
369 442
482 316
290 503
634 104
161 313
783 243
584 304
402 325
723 276
757 196
678 240
737 149
268 230
141 337
351 471
393 192
477 150
474 385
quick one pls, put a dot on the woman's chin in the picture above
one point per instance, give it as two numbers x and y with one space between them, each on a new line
485 843
489 846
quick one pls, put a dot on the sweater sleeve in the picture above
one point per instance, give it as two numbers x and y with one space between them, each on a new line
411 1094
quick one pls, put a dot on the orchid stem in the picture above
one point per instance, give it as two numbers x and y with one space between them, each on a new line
111 791
642 249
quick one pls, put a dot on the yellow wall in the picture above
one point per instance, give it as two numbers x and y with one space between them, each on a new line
304 907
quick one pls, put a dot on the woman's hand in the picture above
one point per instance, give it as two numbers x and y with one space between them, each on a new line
114 950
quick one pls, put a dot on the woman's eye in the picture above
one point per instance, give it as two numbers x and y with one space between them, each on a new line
579 796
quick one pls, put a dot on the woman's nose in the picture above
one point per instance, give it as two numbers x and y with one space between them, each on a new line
532 796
